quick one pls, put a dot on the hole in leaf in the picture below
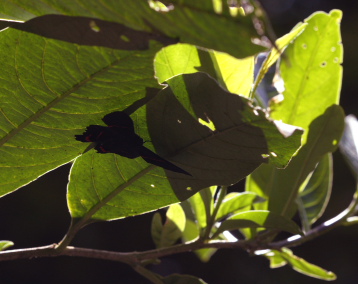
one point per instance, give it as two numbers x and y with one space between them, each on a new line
94 26
160 7
124 38
334 142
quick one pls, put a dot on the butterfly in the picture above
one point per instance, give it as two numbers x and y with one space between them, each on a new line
119 137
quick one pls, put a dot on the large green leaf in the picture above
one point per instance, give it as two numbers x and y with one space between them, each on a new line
50 90
281 187
313 198
191 22
311 71
220 157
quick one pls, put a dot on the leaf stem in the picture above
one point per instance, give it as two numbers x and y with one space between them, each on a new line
221 195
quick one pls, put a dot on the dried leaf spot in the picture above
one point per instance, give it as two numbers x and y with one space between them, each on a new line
315 28
152 185
324 64
333 48
304 46
336 60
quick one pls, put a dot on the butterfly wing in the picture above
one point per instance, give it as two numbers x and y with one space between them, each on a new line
152 158
119 119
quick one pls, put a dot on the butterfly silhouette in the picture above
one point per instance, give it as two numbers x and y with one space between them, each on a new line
119 138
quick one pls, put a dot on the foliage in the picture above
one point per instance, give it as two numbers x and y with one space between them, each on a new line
187 73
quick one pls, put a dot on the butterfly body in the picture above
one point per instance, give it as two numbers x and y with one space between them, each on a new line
119 138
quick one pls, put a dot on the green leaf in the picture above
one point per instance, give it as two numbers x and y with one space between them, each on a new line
276 51
182 279
235 201
167 234
199 209
5 244
156 229
280 187
304 267
315 195
224 156
276 259
96 181
349 143
191 231
311 89
235 75
52 90
219 31
312 72
258 219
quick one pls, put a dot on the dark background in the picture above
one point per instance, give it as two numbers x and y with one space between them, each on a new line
37 214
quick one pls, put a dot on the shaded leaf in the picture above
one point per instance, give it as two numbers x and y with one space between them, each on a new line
156 229
224 156
316 193
91 31
258 219
5 244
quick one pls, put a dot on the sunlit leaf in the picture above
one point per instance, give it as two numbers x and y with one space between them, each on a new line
52 90
304 267
235 201
235 75
258 219
5 244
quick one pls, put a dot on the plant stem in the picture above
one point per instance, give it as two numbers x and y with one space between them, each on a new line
211 221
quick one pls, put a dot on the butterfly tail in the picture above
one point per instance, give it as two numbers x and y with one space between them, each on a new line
152 158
